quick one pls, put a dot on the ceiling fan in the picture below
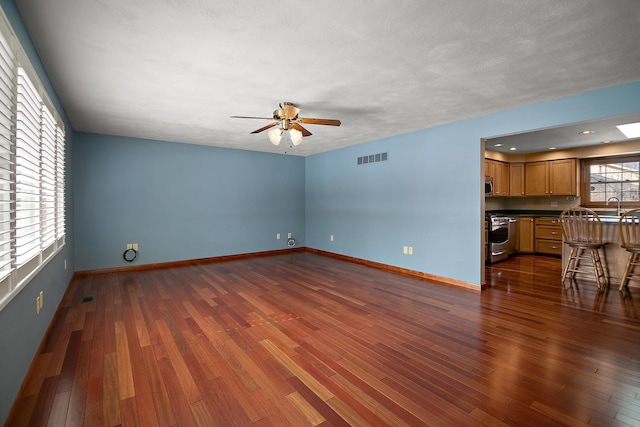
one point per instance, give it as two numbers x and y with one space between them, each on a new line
288 120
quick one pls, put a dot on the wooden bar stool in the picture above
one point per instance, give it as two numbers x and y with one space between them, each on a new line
629 226
582 231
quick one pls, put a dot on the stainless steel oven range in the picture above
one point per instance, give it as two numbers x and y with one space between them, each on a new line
498 237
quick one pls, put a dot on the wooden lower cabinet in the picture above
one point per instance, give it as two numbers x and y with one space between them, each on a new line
548 236
525 232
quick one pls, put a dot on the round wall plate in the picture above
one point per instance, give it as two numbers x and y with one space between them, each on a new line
291 243
129 255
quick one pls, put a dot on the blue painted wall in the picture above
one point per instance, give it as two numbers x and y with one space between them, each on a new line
21 330
428 195
411 199
181 201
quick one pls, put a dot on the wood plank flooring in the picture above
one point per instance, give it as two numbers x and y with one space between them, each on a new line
303 339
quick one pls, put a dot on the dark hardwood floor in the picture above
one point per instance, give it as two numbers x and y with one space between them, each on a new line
303 339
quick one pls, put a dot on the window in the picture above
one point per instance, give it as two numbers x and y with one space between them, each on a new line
32 142
611 179
7 69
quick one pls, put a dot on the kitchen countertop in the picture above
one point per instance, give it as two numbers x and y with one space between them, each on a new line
607 217
507 212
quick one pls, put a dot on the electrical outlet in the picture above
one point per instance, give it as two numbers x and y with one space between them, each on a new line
135 246
331 238
288 235
41 299
554 204
405 250
410 250
65 264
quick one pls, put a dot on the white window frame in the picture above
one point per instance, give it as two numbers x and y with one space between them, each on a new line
32 175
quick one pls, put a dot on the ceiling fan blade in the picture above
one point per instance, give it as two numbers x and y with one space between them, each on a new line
265 127
314 121
305 132
251 117
289 111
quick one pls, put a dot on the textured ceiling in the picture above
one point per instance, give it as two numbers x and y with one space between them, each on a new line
176 70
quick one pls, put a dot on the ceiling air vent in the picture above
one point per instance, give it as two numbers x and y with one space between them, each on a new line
373 158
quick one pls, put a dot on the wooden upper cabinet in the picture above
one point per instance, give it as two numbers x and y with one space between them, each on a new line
543 178
501 179
551 178
516 179
562 177
499 171
488 168
537 178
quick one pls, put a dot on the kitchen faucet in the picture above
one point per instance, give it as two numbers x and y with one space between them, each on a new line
611 198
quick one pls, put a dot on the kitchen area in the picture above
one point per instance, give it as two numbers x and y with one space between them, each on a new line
525 192
518 219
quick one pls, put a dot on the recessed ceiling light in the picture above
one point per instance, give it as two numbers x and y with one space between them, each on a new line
586 132
630 130
513 148
497 145
552 148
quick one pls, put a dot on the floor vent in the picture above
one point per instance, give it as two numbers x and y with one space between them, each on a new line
87 298
373 158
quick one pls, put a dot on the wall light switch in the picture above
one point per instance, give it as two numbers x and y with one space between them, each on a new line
405 250
135 246
39 302
129 246
410 250
278 236
288 235
331 238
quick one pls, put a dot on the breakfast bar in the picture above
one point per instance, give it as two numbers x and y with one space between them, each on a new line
614 257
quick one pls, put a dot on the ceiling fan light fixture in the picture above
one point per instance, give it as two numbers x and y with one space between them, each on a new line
286 120
275 135
296 136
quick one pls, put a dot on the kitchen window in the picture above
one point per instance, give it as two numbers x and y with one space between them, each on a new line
611 179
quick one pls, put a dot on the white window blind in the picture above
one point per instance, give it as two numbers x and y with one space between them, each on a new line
28 131
48 178
7 196
32 150
59 196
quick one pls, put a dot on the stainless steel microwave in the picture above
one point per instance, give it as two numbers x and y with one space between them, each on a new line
488 186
